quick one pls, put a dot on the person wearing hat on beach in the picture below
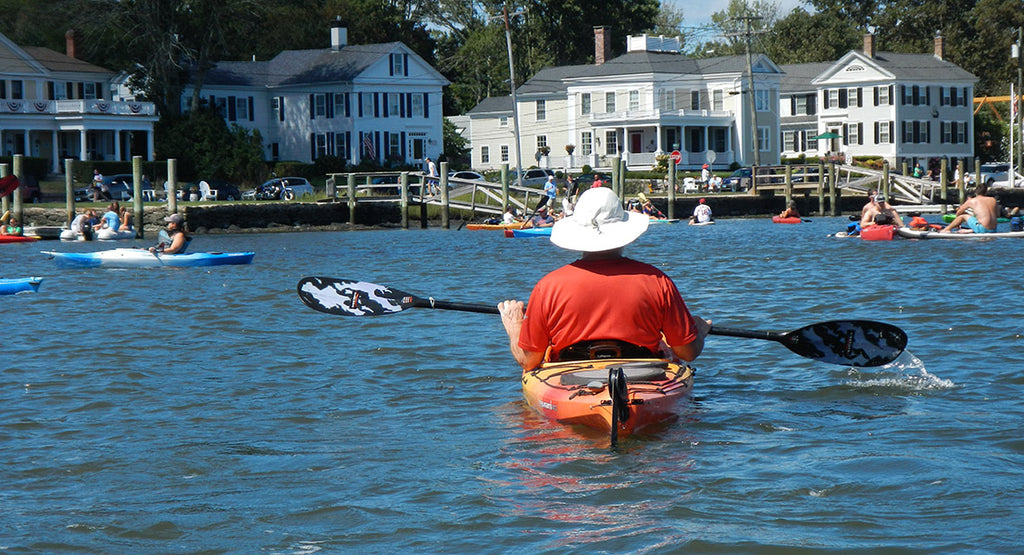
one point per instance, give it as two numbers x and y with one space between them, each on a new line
705 176
550 194
177 240
602 297
701 213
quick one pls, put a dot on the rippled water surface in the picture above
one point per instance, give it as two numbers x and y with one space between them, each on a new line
206 410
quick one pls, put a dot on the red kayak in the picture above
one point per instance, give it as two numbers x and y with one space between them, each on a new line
878 232
17 239
789 220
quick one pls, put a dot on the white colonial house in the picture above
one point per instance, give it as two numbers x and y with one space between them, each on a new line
56 106
358 102
650 101
900 107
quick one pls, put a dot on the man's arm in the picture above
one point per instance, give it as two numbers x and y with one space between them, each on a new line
512 318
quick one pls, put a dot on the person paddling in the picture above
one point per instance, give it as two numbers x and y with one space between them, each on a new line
603 298
178 236
982 216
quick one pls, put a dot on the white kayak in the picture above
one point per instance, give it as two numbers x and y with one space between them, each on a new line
142 258
931 234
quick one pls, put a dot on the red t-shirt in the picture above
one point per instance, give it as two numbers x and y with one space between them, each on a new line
606 299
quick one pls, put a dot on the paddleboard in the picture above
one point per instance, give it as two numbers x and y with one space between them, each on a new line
709 222
950 217
914 234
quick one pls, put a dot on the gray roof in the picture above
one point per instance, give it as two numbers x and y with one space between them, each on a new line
57 62
798 76
910 67
492 105
295 67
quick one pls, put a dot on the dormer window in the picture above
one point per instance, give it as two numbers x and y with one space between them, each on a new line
398 64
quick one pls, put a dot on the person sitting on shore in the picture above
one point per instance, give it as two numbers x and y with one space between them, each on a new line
790 211
980 213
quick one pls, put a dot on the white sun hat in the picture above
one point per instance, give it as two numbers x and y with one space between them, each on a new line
598 223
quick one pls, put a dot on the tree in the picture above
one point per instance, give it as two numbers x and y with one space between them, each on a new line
801 38
455 148
733 23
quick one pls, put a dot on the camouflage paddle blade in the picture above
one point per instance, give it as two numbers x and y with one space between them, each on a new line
859 343
351 298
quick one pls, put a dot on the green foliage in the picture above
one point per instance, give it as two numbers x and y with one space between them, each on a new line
455 146
207 149
36 167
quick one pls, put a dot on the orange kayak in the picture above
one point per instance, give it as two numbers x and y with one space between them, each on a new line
577 392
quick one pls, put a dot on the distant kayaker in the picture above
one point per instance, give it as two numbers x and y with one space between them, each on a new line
603 300
179 238
701 213
541 219
11 228
790 211
983 215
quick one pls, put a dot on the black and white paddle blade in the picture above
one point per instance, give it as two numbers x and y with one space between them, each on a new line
860 343
351 298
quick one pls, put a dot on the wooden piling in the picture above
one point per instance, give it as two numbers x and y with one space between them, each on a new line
137 210
943 183
18 206
350 192
69 189
445 222
403 189
671 189
172 185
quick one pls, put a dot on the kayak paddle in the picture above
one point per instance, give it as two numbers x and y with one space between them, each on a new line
860 343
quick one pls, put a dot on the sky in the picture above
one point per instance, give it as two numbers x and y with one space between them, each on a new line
698 12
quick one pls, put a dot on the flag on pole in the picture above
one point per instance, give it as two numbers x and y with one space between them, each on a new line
368 148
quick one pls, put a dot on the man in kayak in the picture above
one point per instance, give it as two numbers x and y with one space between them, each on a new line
602 298
880 212
179 238
983 215
541 219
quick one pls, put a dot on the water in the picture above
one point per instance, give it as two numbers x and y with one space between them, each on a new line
208 411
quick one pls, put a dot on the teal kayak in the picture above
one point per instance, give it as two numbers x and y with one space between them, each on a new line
19 285
530 232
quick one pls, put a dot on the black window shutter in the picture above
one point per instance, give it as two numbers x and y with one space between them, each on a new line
3 89
927 131
876 97
330 105
360 106
376 105
69 90
348 146
99 91
405 65
391 65
942 137
231 108
312 147
49 90
860 97
824 99
843 100
877 124
860 132
892 131
426 105
903 95
846 133
348 107
403 145
812 100
792 105
892 91
280 113
330 143
386 101
312 107
965 96
81 90
252 110
928 96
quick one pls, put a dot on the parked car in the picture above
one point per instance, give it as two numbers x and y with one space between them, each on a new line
225 190
587 179
467 174
533 177
739 180
118 187
281 188
30 191
996 175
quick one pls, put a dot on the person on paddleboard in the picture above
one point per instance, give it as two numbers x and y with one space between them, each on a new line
980 213
701 213
603 298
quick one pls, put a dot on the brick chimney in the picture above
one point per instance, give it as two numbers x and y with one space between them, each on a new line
869 45
69 41
940 47
602 44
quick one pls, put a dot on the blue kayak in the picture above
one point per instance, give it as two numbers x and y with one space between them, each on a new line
142 258
19 285
530 232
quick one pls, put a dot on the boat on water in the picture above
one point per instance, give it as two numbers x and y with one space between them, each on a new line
588 393
933 234
18 239
664 221
878 233
789 220
142 258
13 286
43 231
477 227
104 234
530 232
709 222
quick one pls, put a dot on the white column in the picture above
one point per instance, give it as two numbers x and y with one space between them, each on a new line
26 147
117 144
149 145
54 153
83 152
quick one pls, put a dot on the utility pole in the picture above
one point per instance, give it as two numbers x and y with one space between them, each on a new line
515 105
1020 89
748 34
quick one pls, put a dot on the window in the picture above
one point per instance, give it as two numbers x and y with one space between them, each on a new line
397 64
852 134
394 144
341 145
321 144
542 113
667 99
394 104
812 144
485 155
88 90
275 109
883 96
319 105
762 100
367 104
961 132
908 94
503 121
585 103
800 105
417 106
542 141
789 141
242 108
764 143
695 100
833 98
718 100
339 104
611 143
718 138
884 132
609 102
922 95
634 101
586 143
60 92
504 153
